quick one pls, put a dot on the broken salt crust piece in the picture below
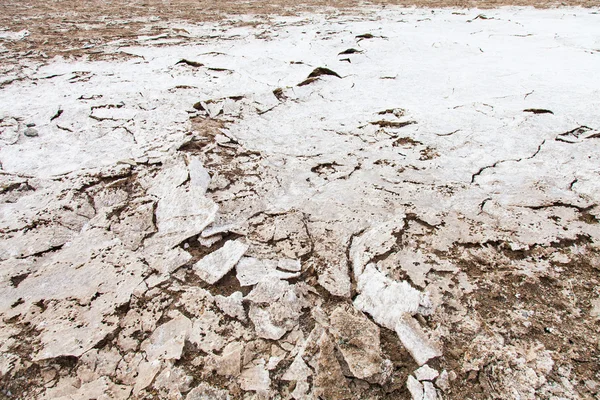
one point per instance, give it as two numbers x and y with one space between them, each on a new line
167 341
415 388
217 264
289 265
256 378
429 392
387 300
415 341
426 373
250 271
199 175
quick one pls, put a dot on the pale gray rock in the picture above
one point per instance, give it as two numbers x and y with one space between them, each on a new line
27 243
420 347
230 361
300 391
102 388
147 371
298 370
377 240
443 381
415 388
385 299
250 271
429 392
232 305
172 381
199 175
167 341
31 132
256 378
205 332
182 213
357 339
169 261
288 264
216 230
426 373
209 241
268 291
217 264
264 325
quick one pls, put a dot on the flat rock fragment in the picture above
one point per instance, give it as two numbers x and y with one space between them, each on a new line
206 333
256 378
429 392
329 382
167 341
385 299
232 305
147 370
199 175
102 388
264 325
250 271
420 347
217 264
183 213
357 339
426 373
415 388
230 361
298 370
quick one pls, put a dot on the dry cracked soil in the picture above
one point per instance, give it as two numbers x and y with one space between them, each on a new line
317 200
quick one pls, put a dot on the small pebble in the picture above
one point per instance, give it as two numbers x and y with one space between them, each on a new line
30 132
30 125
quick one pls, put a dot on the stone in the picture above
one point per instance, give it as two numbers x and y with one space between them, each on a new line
256 378
147 370
298 370
205 333
167 341
264 325
217 264
182 213
300 391
102 388
329 381
288 264
443 381
385 299
229 363
268 291
595 311
415 388
232 305
429 392
357 338
250 271
426 373
420 347
31 132
199 175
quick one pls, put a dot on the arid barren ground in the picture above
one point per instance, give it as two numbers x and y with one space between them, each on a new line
312 201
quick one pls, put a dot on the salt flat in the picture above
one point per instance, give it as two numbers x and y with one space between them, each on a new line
385 203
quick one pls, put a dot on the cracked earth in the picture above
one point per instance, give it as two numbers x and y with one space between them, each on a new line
380 203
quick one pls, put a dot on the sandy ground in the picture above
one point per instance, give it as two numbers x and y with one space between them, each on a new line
264 200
